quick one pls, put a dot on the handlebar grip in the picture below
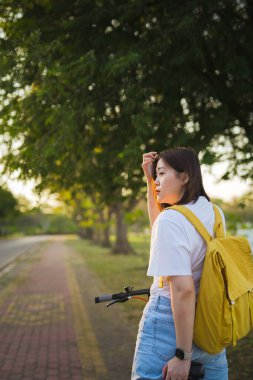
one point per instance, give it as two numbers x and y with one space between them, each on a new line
104 298
197 370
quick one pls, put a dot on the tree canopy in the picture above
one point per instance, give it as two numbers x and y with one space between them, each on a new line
8 204
88 86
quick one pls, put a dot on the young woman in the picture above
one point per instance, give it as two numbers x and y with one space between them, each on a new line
164 347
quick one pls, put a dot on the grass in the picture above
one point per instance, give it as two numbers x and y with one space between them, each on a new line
240 359
117 271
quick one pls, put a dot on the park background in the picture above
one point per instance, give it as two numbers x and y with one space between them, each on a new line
88 86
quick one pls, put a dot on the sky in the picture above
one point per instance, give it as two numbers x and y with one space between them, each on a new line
19 188
226 190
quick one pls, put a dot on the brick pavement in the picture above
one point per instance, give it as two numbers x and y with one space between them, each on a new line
50 328
37 324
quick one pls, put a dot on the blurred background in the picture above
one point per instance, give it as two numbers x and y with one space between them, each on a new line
88 86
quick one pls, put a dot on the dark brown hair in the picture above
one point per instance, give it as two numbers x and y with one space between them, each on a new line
184 160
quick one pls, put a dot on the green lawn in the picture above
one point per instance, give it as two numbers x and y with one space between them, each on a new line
118 271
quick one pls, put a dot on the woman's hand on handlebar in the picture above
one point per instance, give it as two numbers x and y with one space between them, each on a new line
147 163
176 369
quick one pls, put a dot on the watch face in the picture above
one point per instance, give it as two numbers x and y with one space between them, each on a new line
179 354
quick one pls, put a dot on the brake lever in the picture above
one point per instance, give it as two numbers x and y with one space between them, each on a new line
115 301
128 288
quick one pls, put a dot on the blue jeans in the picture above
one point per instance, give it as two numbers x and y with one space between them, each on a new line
156 343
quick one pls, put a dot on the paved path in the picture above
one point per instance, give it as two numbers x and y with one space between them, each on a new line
50 328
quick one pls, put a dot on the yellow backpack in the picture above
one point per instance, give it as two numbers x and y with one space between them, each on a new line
224 312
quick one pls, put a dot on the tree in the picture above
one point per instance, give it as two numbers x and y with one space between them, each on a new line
90 85
8 209
94 223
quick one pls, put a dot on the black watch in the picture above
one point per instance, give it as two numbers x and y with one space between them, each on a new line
183 355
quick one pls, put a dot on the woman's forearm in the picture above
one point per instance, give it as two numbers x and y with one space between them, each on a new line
183 304
153 206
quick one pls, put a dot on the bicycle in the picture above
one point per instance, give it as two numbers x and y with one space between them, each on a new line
197 370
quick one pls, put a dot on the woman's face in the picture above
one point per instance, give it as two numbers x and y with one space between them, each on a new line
169 184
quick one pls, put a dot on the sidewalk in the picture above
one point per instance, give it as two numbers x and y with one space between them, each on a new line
46 333
37 337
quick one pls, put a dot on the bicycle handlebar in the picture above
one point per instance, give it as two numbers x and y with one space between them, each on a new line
123 296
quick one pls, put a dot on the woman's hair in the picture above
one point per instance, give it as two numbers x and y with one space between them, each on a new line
184 160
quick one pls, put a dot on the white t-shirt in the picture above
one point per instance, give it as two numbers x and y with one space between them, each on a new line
176 247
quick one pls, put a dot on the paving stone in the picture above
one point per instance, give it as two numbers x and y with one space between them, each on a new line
50 328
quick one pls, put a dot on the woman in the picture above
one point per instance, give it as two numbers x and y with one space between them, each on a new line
164 347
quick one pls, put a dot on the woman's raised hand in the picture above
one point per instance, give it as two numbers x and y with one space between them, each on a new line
147 163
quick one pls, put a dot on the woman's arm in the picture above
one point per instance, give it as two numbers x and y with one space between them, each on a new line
183 307
153 207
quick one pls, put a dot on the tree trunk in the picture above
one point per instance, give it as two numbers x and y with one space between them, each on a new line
122 244
106 237
105 219
97 236
86 233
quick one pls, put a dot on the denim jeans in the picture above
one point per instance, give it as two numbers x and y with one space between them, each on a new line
156 343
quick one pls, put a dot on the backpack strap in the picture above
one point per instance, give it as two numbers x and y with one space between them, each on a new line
218 229
193 220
